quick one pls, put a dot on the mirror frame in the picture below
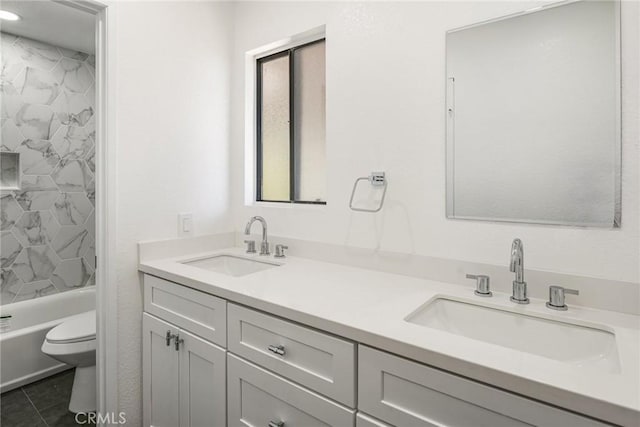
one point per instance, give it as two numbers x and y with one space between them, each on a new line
449 140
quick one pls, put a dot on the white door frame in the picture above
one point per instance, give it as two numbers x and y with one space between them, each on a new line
105 182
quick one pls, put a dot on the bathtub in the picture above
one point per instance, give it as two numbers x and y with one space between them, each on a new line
21 360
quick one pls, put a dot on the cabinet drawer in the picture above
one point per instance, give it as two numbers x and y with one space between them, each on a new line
406 393
195 311
259 398
322 362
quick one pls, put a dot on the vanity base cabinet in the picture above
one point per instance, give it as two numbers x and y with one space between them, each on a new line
283 374
183 385
259 398
405 393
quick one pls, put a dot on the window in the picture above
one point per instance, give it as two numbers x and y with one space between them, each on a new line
291 160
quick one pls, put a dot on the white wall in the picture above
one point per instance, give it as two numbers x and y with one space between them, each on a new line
385 111
172 76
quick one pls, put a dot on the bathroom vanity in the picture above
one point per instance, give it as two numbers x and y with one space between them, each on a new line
255 339
304 343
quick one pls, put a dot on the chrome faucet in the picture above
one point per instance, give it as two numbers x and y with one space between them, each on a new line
264 246
516 265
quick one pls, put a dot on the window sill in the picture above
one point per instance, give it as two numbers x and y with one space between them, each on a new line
297 206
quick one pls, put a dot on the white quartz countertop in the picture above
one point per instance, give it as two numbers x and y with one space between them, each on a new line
370 307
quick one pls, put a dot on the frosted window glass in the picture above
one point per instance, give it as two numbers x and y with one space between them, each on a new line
309 122
275 129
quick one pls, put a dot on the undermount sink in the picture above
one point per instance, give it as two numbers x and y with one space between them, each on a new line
580 346
231 265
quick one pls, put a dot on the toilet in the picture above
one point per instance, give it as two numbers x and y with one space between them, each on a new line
74 342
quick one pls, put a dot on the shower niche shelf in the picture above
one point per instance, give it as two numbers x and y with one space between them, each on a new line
9 171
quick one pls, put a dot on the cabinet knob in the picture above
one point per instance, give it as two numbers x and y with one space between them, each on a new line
277 349
276 424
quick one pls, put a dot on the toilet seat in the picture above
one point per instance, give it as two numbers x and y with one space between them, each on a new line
79 328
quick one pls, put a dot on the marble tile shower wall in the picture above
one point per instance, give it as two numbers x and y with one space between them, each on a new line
47 227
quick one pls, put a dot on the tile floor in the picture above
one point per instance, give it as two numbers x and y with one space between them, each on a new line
40 404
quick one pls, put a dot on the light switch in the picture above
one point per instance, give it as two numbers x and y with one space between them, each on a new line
185 224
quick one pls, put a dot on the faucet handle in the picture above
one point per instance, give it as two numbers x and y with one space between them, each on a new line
251 246
556 297
280 251
483 288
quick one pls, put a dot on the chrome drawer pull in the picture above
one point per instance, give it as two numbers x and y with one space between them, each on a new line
276 423
277 349
178 342
169 337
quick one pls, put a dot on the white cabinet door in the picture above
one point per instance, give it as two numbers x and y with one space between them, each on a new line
160 374
203 385
259 398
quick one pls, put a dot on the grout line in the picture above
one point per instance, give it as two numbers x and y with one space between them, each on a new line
34 406
59 375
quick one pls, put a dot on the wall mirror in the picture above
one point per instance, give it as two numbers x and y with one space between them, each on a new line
533 117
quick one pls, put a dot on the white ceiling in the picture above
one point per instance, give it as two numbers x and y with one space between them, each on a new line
51 22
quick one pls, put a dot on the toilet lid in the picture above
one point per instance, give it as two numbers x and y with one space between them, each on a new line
81 327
